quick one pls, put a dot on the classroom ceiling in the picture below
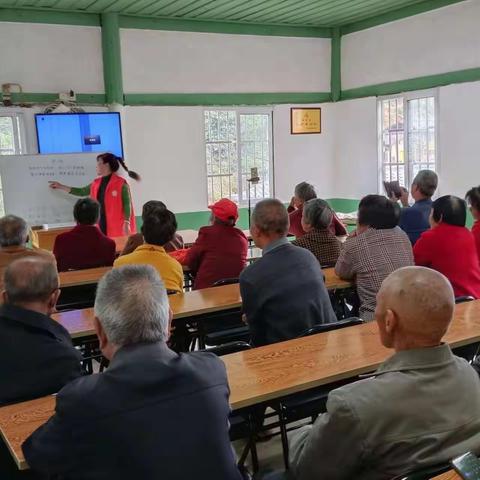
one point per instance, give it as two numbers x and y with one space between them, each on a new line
321 13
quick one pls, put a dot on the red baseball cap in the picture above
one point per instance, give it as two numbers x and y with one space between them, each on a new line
224 210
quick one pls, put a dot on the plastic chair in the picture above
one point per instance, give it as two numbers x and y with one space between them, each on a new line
311 402
224 327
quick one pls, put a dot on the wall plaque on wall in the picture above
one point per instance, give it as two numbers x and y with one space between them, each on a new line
305 120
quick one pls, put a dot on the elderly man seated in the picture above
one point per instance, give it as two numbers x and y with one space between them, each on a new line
36 352
154 413
420 408
283 292
13 242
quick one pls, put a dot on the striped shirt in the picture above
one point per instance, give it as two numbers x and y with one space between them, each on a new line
369 258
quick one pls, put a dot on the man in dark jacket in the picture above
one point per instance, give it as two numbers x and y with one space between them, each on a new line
154 413
36 353
284 292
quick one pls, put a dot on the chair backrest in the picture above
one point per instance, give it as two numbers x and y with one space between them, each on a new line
327 327
463 299
227 348
425 473
225 281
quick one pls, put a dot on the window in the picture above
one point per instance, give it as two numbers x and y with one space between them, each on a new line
11 141
407 137
235 142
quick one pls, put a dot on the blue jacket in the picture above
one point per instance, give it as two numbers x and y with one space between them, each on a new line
414 220
154 414
284 293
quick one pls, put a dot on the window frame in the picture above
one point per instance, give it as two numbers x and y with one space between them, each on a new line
20 138
242 203
407 96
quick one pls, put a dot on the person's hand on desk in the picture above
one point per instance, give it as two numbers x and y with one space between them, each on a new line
244 319
59 186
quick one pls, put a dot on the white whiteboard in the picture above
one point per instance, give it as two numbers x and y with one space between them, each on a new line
25 185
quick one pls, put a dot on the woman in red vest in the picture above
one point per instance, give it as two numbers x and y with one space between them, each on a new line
117 217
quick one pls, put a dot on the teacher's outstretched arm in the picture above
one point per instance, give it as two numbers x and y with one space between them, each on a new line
77 191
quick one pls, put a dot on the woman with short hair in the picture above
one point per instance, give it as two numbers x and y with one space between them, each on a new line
449 247
319 239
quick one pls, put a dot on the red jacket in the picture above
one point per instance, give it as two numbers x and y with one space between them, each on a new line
336 227
219 252
114 205
85 246
451 250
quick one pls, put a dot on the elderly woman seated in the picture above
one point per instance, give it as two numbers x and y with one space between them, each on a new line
319 239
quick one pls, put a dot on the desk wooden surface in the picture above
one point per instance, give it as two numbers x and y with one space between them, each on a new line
79 323
450 475
270 372
82 277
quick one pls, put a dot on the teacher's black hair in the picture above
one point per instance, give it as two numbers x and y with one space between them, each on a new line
115 163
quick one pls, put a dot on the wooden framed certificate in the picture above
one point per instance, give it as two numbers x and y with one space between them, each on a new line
305 120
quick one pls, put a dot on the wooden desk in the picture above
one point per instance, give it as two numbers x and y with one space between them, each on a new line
46 238
271 372
450 475
76 278
79 323
267 373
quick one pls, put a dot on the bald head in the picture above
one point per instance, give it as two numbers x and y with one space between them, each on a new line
419 303
30 279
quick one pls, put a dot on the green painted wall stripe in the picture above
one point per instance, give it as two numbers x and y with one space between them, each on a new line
420 83
397 15
43 16
192 99
82 98
180 25
336 65
112 58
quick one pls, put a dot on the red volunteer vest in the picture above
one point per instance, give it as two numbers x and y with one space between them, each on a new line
114 205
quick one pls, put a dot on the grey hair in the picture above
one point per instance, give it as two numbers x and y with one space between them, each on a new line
132 305
305 191
30 279
271 217
317 213
426 181
13 231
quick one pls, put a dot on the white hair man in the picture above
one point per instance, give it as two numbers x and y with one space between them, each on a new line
154 413
13 242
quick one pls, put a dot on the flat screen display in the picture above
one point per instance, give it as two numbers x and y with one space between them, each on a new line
79 132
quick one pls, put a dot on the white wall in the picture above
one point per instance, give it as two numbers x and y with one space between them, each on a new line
439 41
459 138
156 61
166 146
51 58
304 157
355 150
